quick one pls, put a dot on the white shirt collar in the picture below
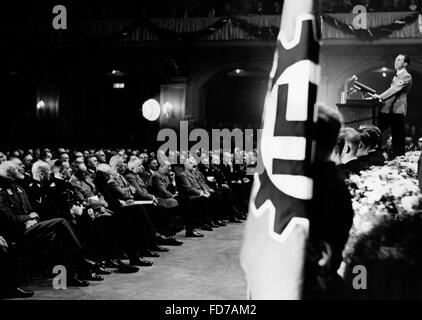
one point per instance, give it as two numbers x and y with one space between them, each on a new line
401 71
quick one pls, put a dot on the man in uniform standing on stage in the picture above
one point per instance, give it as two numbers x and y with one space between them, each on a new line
395 104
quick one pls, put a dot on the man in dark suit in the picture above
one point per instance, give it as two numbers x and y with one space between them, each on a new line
395 104
331 215
235 182
212 178
161 186
223 183
196 198
218 175
208 172
140 188
376 158
219 210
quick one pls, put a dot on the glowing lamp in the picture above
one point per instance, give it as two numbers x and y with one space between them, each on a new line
40 105
151 110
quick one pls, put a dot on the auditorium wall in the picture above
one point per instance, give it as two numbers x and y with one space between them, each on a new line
90 111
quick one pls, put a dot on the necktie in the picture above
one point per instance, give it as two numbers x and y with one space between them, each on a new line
123 181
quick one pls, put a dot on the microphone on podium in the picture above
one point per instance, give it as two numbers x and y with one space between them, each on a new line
364 87
345 93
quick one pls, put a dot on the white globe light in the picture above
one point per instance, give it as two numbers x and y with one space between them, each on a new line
151 110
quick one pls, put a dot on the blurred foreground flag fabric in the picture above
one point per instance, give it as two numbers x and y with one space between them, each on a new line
273 250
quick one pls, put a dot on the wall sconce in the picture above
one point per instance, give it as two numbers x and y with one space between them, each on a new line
168 109
40 105
118 85
420 23
48 103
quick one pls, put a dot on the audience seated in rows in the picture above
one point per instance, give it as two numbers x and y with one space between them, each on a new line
89 210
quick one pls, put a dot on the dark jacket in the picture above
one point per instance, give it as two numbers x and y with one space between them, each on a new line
364 162
14 210
228 172
219 175
108 192
209 175
332 213
187 184
141 192
395 97
53 199
63 197
146 176
26 181
376 158
331 217
201 180
351 167
91 173
120 187
84 189
160 186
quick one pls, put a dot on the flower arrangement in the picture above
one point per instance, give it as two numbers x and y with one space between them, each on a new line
388 212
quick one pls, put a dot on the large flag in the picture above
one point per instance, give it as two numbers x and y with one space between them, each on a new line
273 250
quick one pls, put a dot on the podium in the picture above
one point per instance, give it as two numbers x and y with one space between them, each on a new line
359 111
